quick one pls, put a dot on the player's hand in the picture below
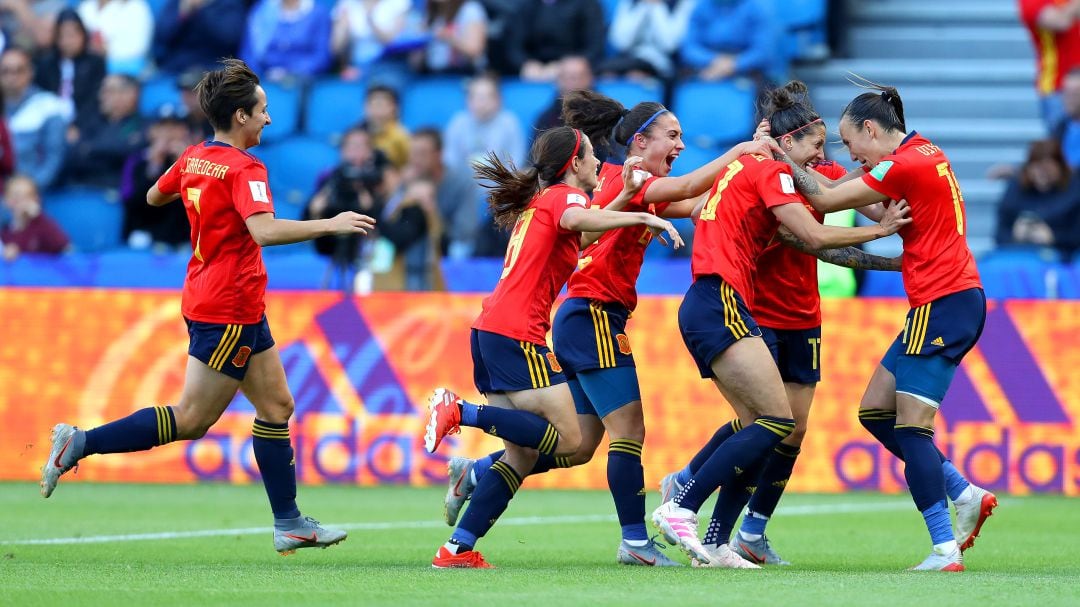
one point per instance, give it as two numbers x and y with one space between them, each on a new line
895 218
349 222
659 226
762 131
632 178
765 146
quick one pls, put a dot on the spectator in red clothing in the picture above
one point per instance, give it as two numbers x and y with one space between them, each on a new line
1055 31
7 151
30 230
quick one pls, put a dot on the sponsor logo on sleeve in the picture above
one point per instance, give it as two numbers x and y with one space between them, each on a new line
787 184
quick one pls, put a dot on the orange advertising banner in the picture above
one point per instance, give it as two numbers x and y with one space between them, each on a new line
361 371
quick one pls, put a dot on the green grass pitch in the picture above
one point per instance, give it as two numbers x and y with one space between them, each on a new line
553 548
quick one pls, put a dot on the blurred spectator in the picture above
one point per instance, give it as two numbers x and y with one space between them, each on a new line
502 16
28 23
545 31
36 119
728 38
645 35
411 223
97 153
192 111
458 31
197 33
362 33
483 126
1041 206
70 69
382 118
7 150
288 39
358 183
1055 32
30 229
455 192
121 30
166 227
574 74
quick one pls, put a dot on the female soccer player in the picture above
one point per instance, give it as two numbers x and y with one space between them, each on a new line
589 333
225 193
948 307
750 199
529 405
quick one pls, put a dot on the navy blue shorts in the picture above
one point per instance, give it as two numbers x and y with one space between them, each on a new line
797 353
226 348
712 318
591 335
601 391
503 364
936 336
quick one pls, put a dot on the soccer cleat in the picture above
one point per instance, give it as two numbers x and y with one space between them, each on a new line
669 487
470 559
953 561
971 516
460 489
445 418
723 557
308 533
679 528
66 451
759 551
648 555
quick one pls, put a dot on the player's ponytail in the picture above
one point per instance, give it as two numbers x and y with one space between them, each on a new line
605 120
789 110
512 189
884 107
221 92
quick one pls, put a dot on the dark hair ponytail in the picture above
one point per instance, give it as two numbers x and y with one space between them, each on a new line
789 110
885 108
513 189
605 120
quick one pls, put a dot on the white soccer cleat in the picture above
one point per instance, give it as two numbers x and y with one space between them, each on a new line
67 446
971 515
954 561
679 528
723 557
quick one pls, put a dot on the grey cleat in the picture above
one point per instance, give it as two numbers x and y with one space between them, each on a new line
648 555
460 487
669 487
307 533
759 551
66 451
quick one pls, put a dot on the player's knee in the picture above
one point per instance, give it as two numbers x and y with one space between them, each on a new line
278 411
569 441
191 424
795 439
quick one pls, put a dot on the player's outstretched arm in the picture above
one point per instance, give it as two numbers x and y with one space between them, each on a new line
268 230
632 183
697 182
850 194
802 224
848 257
157 198
581 219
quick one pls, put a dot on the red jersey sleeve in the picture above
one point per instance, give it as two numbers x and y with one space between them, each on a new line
574 198
169 183
1030 9
250 191
775 186
889 177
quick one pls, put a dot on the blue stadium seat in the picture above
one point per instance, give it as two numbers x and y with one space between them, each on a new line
527 100
332 107
283 103
631 93
91 217
715 114
157 92
432 102
804 24
294 166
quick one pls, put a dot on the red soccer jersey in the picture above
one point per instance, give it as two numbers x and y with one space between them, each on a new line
221 186
1055 52
937 260
539 259
609 268
737 221
787 287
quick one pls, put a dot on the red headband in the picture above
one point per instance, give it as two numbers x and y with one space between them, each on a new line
801 127
577 146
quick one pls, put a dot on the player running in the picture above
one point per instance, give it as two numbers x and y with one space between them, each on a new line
749 201
529 404
589 334
948 309
224 190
